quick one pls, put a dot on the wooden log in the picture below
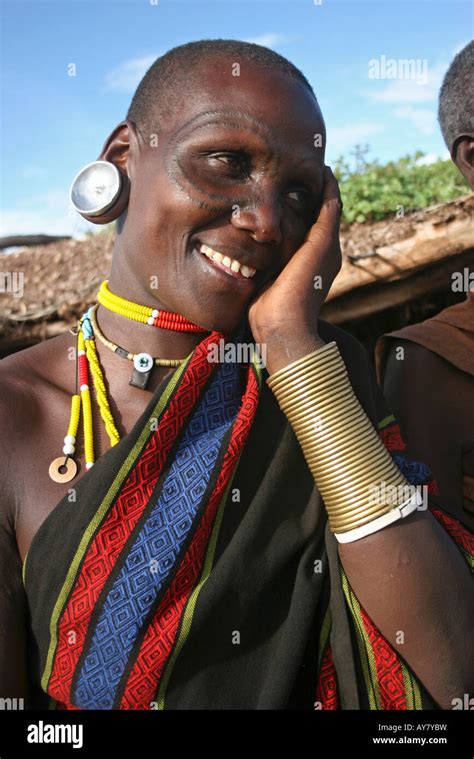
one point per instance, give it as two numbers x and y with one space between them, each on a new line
26 240
374 298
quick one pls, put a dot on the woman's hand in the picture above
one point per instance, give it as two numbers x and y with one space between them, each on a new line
284 315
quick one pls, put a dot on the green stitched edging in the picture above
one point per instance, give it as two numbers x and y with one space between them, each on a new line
468 556
386 421
323 638
365 649
97 518
23 569
412 691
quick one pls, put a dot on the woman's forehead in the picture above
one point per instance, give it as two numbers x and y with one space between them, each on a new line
274 101
273 129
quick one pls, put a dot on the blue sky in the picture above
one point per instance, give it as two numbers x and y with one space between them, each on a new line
53 123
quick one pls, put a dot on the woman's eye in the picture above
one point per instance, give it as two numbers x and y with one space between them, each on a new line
303 195
229 159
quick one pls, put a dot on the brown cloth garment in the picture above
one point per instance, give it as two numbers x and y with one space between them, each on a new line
449 334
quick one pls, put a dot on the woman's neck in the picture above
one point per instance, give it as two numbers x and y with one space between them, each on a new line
137 337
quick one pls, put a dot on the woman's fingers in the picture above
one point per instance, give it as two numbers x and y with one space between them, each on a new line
329 216
321 244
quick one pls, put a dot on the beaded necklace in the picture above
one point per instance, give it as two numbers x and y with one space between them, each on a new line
64 468
144 314
142 364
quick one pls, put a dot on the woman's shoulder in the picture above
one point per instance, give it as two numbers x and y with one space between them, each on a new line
31 384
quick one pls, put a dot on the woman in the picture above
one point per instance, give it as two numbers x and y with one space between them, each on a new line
192 561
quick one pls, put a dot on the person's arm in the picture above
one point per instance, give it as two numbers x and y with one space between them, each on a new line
13 607
410 577
425 588
432 402
414 583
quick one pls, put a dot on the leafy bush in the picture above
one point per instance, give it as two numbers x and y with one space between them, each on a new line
372 191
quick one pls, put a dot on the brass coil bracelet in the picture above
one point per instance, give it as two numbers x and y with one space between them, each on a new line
343 451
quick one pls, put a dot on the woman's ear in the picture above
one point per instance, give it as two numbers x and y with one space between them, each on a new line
120 146
113 177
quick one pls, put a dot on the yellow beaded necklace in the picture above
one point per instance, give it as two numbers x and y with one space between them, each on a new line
64 468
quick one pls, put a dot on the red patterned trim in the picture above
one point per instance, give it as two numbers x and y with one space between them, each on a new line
109 541
388 668
161 634
460 534
326 692
392 438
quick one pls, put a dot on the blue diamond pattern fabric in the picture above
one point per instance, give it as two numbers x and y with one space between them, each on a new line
152 556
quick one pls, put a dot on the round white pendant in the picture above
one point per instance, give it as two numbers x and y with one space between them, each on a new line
143 362
68 466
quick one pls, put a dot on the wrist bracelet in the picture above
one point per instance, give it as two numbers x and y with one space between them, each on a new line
343 451
399 512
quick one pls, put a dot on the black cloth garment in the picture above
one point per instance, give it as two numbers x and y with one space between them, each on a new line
254 614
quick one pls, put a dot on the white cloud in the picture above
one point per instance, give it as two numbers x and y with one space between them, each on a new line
409 90
408 95
269 39
430 158
341 138
424 119
125 77
45 214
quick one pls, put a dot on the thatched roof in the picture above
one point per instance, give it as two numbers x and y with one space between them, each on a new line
384 263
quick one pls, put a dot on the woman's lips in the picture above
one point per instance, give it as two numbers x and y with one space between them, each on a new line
217 268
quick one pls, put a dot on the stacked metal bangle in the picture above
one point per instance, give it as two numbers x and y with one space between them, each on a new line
343 451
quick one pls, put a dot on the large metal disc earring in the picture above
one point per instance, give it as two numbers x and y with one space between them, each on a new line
99 192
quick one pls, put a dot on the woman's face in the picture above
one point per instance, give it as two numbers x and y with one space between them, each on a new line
239 169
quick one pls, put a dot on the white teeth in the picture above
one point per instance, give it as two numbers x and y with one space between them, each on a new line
247 271
231 263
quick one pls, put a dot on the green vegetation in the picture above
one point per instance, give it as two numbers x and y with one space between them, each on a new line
372 191
105 229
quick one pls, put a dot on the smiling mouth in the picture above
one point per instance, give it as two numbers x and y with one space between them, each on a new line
226 265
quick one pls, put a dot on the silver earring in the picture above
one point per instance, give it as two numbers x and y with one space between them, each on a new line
96 188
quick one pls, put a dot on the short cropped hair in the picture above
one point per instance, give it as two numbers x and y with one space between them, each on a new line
455 105
176 74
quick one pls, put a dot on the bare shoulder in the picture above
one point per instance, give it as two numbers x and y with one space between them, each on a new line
26 374
16 407
412 365
407 356
422 384
30 380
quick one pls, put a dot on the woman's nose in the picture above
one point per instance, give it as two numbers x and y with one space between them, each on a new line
261 216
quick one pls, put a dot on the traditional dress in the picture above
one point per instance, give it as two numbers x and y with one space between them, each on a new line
195 568
450 335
